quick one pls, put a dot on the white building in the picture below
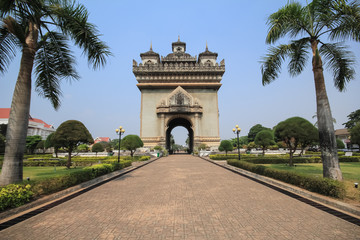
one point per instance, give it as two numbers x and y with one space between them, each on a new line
35 127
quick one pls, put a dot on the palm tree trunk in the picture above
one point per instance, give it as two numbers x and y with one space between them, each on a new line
12 170
329 155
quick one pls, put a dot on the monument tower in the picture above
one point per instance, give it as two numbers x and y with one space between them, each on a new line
179 90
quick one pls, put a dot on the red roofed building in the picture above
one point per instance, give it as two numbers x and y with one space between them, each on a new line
35 127
102 139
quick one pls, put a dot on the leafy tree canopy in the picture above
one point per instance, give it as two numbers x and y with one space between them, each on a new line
70 134
131 143
255 130
264 138
355 134
294 132
354 118
32 142
340 144
226 145
3 128
97 147
2 143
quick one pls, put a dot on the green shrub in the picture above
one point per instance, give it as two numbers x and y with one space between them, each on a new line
14 195
349 159
144 158
323 186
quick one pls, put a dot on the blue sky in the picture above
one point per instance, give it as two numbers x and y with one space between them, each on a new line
236 30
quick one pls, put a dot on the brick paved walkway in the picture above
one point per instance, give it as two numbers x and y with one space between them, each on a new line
183 197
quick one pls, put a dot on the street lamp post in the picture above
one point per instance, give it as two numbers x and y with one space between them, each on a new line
237 130
120 131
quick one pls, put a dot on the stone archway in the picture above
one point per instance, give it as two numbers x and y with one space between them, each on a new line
183 122
179 90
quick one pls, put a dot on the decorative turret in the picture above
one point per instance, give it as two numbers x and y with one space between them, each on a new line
178 46
150 57
207 57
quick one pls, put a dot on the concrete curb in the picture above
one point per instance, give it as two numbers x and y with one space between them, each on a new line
341 206
13 213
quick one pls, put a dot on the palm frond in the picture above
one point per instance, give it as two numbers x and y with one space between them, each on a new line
6 7
72 19
53 63
347 24
271 63
8 47
299 55
341 61
288 20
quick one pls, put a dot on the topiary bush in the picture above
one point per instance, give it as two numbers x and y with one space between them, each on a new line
323 186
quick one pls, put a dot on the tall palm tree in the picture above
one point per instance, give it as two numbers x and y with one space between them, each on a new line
336 20
40 29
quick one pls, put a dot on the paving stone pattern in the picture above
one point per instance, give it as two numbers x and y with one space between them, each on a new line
183 197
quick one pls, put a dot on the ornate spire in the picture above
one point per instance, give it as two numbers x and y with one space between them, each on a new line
206 49
151 46
178 38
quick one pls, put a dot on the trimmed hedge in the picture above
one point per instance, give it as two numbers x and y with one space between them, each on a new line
50 185
323 186
277 159
14 195
77 161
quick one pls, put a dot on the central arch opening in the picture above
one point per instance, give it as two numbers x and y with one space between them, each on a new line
176 122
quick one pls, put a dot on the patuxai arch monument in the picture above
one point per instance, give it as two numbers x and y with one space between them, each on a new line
179 90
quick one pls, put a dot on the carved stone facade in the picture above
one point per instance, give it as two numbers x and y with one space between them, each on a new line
179 90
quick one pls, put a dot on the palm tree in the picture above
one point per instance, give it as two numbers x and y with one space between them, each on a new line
337 20
40 29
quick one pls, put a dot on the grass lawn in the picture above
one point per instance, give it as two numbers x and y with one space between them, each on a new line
46 172
350 171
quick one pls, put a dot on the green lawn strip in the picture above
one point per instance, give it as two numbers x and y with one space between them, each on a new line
35 173
350 171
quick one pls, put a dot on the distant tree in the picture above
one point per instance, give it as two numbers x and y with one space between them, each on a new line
41 146
354 118
225 145
281 144
243 140
69 135
355 134
202 146
131 143
31 143
255 130
106 146
158 148
114 143
294 131
2 143
97 147
310 136
340 144
83 148
264 139
251 145
50 143
3 128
